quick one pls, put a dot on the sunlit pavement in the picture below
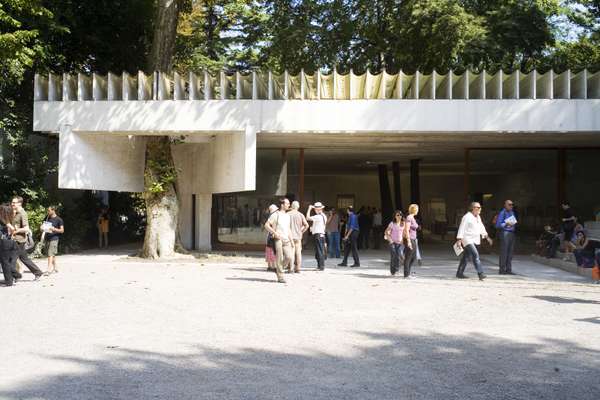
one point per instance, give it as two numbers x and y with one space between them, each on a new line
107 327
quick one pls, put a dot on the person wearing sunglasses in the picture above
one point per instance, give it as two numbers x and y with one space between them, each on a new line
505 224
469 236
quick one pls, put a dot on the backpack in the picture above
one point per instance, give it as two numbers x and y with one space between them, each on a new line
29 242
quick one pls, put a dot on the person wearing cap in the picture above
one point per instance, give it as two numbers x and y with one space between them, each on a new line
319 220
299 226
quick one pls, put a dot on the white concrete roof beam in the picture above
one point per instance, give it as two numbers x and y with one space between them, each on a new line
129 86
54 87
194 84
443 88
493 86
69 90
260 86
225 86
527 85
180 87
402 82
460 86
408 89
477 86
579 85
562 85
326 92
310 86
208 87
357 86
286 85
99 87
593 85
294 88
544 84
164 86
427 86
510 85
386 85
114 87
40 88
145 86
342 86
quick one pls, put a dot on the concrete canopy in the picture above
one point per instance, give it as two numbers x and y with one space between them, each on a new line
102 120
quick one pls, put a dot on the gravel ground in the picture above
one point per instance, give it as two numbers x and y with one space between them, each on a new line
107 327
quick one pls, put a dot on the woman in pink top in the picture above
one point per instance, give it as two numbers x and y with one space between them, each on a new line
394 234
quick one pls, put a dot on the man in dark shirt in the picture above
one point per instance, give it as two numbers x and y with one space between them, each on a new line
53 230
351 239
21 225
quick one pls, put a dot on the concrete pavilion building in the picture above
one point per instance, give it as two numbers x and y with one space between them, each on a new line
381 140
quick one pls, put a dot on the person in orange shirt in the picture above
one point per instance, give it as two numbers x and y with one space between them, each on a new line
103 227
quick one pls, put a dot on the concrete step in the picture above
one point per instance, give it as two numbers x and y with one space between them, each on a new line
568 266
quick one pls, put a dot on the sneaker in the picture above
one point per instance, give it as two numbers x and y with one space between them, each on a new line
342 265
355 266
462 276
280 279
482 276
38 276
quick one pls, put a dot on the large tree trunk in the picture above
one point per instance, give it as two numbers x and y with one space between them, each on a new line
165 32
162 205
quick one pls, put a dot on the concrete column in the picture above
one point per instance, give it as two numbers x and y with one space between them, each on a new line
561 177
385 193
415 187
203 221
467 188
282 182
301 176
397 188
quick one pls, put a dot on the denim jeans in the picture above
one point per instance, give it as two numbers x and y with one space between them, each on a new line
396 252
333 244
507 247
470 251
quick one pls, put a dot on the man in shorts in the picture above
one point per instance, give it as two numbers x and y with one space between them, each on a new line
53 230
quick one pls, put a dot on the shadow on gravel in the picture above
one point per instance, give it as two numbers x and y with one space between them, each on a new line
384 366
593 320
565 300
274 280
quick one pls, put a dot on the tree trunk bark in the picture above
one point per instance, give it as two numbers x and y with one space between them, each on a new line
165 32
162 208
162 204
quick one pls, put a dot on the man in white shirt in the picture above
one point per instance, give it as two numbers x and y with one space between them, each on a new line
319 220
279 225
469 236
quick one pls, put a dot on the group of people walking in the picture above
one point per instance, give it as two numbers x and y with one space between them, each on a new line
286 228
16 241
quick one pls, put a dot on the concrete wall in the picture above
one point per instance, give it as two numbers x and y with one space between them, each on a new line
207 117
100 162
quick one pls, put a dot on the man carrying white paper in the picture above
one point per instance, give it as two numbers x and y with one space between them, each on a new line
469 235
505 224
